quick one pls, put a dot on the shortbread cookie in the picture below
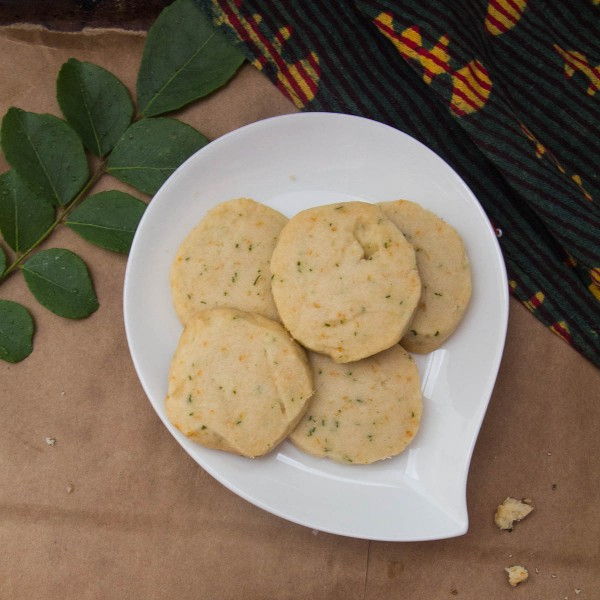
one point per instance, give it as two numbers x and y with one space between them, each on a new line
444 270
363 411
224 261
345 280
238 382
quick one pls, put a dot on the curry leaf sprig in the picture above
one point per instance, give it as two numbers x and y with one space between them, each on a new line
50 180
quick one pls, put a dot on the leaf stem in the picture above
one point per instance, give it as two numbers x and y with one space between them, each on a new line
66 210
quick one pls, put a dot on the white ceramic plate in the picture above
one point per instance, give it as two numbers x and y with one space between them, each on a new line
291 163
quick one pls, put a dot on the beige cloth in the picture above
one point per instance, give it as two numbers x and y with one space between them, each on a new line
117 510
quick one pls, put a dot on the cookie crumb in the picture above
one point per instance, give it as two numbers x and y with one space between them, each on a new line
549 453
511 510
553 576
63 393
315 532
70 488
553 486
50 441
577 591
516 574
537 570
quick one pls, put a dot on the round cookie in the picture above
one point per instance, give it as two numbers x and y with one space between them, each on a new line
238 382
364 411
224 261
345 280
445 274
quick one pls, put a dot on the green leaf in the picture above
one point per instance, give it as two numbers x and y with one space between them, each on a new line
108 219
185 58
150 150
60 281
24 216
2 261
16 331
46 153
95 103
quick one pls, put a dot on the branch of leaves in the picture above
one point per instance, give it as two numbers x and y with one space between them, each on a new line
184 59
